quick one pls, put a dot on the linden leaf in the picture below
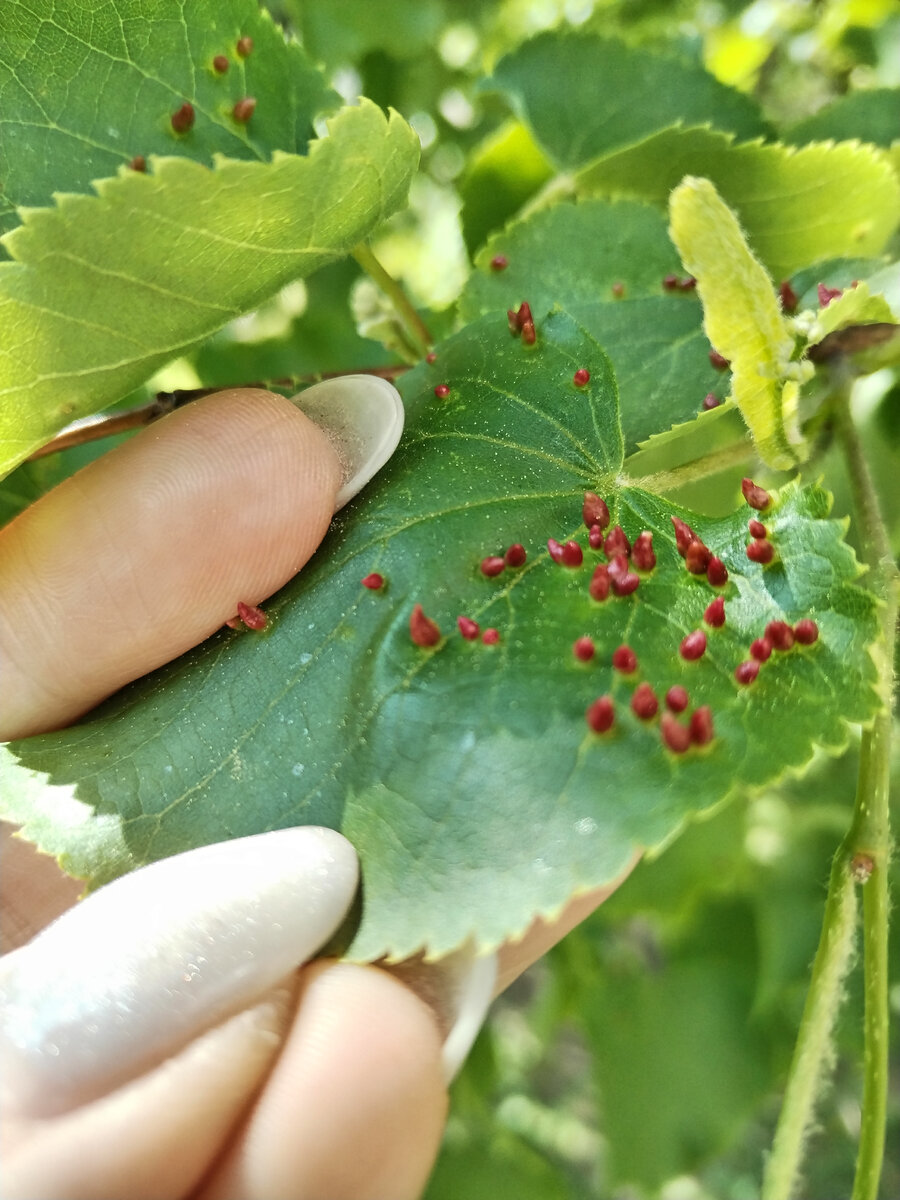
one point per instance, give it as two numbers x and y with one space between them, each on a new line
84 88
90 307
797 206
854 306
742 317
466 774
585 96
606 262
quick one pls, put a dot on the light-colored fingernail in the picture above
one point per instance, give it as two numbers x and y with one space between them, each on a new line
459 988
139 968
363 417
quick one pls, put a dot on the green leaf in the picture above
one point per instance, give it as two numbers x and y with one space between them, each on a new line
742 318
872 115
585 96
570 256
343 33
855 306
106 289
465 774
85 87
797 206
502 173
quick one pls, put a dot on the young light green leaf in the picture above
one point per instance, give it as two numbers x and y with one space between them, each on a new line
742 318
580 257
86 88
105 289
586 96
854 306
466 774
797 206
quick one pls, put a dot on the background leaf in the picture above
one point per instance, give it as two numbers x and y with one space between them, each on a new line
872 115
91 308
585 96
119 71
466 775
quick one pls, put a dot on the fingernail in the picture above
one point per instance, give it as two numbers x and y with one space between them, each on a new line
363 417
459 988
139 968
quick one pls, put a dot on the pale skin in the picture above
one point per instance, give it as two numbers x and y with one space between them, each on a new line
332 1084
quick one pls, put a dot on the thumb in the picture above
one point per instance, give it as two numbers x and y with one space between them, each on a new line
147 551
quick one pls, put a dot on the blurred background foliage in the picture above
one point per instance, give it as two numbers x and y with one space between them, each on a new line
643 1059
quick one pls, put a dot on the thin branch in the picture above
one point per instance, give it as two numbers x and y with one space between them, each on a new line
91 429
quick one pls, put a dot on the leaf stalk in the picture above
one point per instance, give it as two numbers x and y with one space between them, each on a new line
414 327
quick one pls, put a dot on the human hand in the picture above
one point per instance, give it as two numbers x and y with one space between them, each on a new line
323 1082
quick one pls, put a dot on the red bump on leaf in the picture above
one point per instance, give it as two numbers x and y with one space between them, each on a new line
715 613
757 529
701 727
583 648
468 628
670 283
220 64
515 555
644 703
499 262
616 542
442 391
581 377
524 313
718 361
710 401
618 566
422 630
594 511
684 535
243 110
595 537
760 550
780 635
827 294
755 496
760 649
373 582
716 571
599 585
677 698
624 659
569 555
138 163
697 558
745 672
183 119
806 632
624 585
675 735
529 334
253 617
618 289
245 46
789 298
693 646
642 555
431 357
688 284
600 714
515 327
492 565
490 637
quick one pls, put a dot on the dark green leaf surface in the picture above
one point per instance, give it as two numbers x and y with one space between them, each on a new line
86 86
465 774
585 96
872 115
571 255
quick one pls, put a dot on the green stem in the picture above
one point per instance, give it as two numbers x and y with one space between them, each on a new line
813 1051
863 858
415 328
869 838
